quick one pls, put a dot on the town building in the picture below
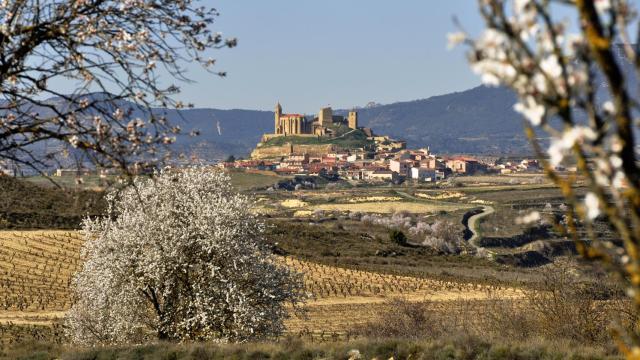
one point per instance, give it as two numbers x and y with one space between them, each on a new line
425 174
402 167
464 165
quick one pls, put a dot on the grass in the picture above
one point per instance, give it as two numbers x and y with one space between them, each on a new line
453 347
244 180
346 138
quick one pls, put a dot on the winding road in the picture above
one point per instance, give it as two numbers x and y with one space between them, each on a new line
471 225
472 222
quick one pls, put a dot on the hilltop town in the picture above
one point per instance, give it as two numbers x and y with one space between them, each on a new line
335 147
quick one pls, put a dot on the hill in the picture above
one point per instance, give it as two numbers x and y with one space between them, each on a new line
29 206
480 120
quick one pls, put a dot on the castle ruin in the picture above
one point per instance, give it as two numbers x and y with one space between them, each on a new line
301 125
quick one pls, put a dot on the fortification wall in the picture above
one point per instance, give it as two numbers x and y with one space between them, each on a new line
273 152
267 137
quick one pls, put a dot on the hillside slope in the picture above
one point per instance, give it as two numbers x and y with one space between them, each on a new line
479 120
28 206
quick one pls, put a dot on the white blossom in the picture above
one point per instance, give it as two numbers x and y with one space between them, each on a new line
602 6
619 180
616 161
179 257
529 218
592 205
555 152
608 107
551 66
574 135
74 141
532 111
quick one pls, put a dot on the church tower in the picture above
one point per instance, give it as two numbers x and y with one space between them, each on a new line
278 113
353 120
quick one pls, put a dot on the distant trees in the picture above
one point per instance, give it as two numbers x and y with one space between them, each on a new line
443 236
580 89
106 64
179 257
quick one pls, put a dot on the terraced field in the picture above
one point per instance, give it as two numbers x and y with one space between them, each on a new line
341 299
35 272
36 268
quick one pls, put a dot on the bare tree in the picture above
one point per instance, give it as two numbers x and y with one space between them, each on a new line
572 85
116 60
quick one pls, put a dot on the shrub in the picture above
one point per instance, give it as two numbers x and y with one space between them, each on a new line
444 237
403 319
398 237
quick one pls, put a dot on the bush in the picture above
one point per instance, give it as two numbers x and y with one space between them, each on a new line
398 237
444 237
563 308
403 319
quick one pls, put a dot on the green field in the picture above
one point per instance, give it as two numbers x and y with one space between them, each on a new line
250 180
345 138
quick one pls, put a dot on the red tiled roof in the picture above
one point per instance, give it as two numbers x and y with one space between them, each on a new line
288 170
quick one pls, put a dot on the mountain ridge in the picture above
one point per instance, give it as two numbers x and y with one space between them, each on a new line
478 120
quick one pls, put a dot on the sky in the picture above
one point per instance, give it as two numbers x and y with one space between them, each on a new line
342 53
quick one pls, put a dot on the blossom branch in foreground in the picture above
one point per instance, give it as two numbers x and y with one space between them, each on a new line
558 78
118 57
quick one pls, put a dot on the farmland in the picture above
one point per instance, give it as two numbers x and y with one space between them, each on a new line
352 269
37 267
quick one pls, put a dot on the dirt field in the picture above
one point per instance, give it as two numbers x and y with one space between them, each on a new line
392 206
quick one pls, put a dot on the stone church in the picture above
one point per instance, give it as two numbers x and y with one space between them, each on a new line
300 125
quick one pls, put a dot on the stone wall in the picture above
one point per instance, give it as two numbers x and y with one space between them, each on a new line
276 152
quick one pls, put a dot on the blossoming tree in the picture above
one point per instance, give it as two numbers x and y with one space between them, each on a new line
573 87
179 257
82 77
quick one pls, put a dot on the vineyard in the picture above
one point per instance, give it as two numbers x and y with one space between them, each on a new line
341 299
36 268
35 271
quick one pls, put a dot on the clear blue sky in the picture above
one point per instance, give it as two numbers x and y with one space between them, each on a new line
345 53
